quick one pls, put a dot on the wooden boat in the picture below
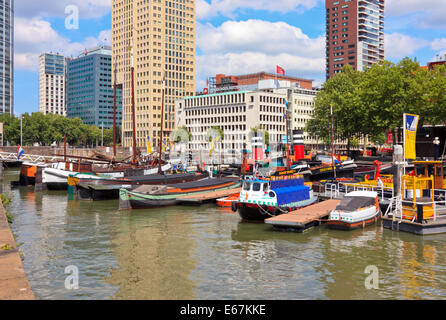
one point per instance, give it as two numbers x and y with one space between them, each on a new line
227 202
94 187
358 209
264 198
150 196
28 174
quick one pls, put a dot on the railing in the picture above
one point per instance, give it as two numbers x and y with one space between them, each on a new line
338 190
395 209
6 156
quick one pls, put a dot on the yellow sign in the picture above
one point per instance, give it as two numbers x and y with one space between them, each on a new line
410 135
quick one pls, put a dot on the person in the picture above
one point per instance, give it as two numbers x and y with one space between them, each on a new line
436 148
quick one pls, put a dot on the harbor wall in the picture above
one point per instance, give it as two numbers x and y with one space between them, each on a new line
14 284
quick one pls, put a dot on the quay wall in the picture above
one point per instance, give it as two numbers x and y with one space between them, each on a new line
14 284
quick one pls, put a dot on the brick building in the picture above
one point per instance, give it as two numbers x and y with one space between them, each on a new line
354 34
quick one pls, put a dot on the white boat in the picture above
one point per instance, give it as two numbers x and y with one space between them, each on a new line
357 210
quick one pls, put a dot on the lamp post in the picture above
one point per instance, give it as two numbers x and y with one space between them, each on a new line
21 130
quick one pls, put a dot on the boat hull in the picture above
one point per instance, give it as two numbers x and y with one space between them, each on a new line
346 226
251 212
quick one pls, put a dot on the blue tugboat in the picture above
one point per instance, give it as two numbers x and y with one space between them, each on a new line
261 199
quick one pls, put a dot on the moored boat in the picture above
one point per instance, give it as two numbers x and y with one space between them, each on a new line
264 198
151 196
358 209
228 201
101 187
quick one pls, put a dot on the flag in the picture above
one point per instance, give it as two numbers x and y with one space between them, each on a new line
287 105
20 152
149 147
279 70
410 135
212 148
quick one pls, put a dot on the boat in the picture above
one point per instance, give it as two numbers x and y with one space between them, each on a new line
27 175
227 202
100 187
357 209
264 198
151 196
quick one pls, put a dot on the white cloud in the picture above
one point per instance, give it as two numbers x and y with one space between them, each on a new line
50 8
425 13
255 45
211 8
35 36
399 45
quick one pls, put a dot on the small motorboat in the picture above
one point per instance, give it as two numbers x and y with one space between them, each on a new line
265 198
358 209
227 202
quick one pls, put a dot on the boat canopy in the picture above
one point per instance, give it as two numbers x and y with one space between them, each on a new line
350 204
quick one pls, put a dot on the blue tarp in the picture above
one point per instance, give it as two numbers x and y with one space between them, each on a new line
287 183
292 194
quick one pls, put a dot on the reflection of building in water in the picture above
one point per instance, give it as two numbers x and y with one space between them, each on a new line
154 257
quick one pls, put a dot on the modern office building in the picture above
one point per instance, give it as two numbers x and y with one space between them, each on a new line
354 34
236 113
162 37
7 56
90 94
52 81
223 83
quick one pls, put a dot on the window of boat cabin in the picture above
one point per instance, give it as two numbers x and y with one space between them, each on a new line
265 187
247 186
256 186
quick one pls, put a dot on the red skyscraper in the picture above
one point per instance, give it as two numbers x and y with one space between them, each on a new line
355 34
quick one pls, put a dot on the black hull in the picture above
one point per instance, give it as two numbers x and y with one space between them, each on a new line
97 195
253 214
150 204
57 186
340 173
26 181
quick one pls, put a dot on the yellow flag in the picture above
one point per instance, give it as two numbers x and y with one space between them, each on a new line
149 148
410 135
212 147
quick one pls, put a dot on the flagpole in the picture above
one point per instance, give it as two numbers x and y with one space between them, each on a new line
332 141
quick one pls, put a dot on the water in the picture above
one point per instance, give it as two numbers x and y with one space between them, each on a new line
206 253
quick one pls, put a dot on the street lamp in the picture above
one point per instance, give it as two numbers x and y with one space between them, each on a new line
21 130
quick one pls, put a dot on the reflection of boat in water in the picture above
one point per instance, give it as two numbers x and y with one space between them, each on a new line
148 196
262 199
357 210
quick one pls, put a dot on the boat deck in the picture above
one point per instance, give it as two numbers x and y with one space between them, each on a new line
303 219
208 196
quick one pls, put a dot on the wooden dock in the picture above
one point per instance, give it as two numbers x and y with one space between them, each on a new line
208 196
303 219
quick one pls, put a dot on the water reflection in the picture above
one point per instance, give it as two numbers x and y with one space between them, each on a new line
153 252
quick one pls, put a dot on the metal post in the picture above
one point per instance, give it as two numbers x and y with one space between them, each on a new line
332 141
102 137
114 110
21 130
134 162
162 126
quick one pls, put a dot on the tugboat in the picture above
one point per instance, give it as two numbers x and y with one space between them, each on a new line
264 198
358 209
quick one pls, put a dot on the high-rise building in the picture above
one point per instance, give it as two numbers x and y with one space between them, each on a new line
162 37
354 34
52 82
90 94
7 56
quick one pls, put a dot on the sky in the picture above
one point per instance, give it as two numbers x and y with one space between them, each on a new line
233 36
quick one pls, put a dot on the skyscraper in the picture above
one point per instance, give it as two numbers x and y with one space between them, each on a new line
7 56
90 88
161 34
52 69
354 34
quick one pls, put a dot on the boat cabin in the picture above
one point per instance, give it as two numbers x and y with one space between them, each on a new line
418 191
426 169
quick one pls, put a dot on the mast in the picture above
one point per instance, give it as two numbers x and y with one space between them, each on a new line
162 126
332 141
134 162
114 112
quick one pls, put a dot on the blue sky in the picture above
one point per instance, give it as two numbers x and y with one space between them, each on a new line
233 36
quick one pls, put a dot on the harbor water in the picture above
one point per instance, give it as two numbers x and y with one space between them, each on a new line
207 253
